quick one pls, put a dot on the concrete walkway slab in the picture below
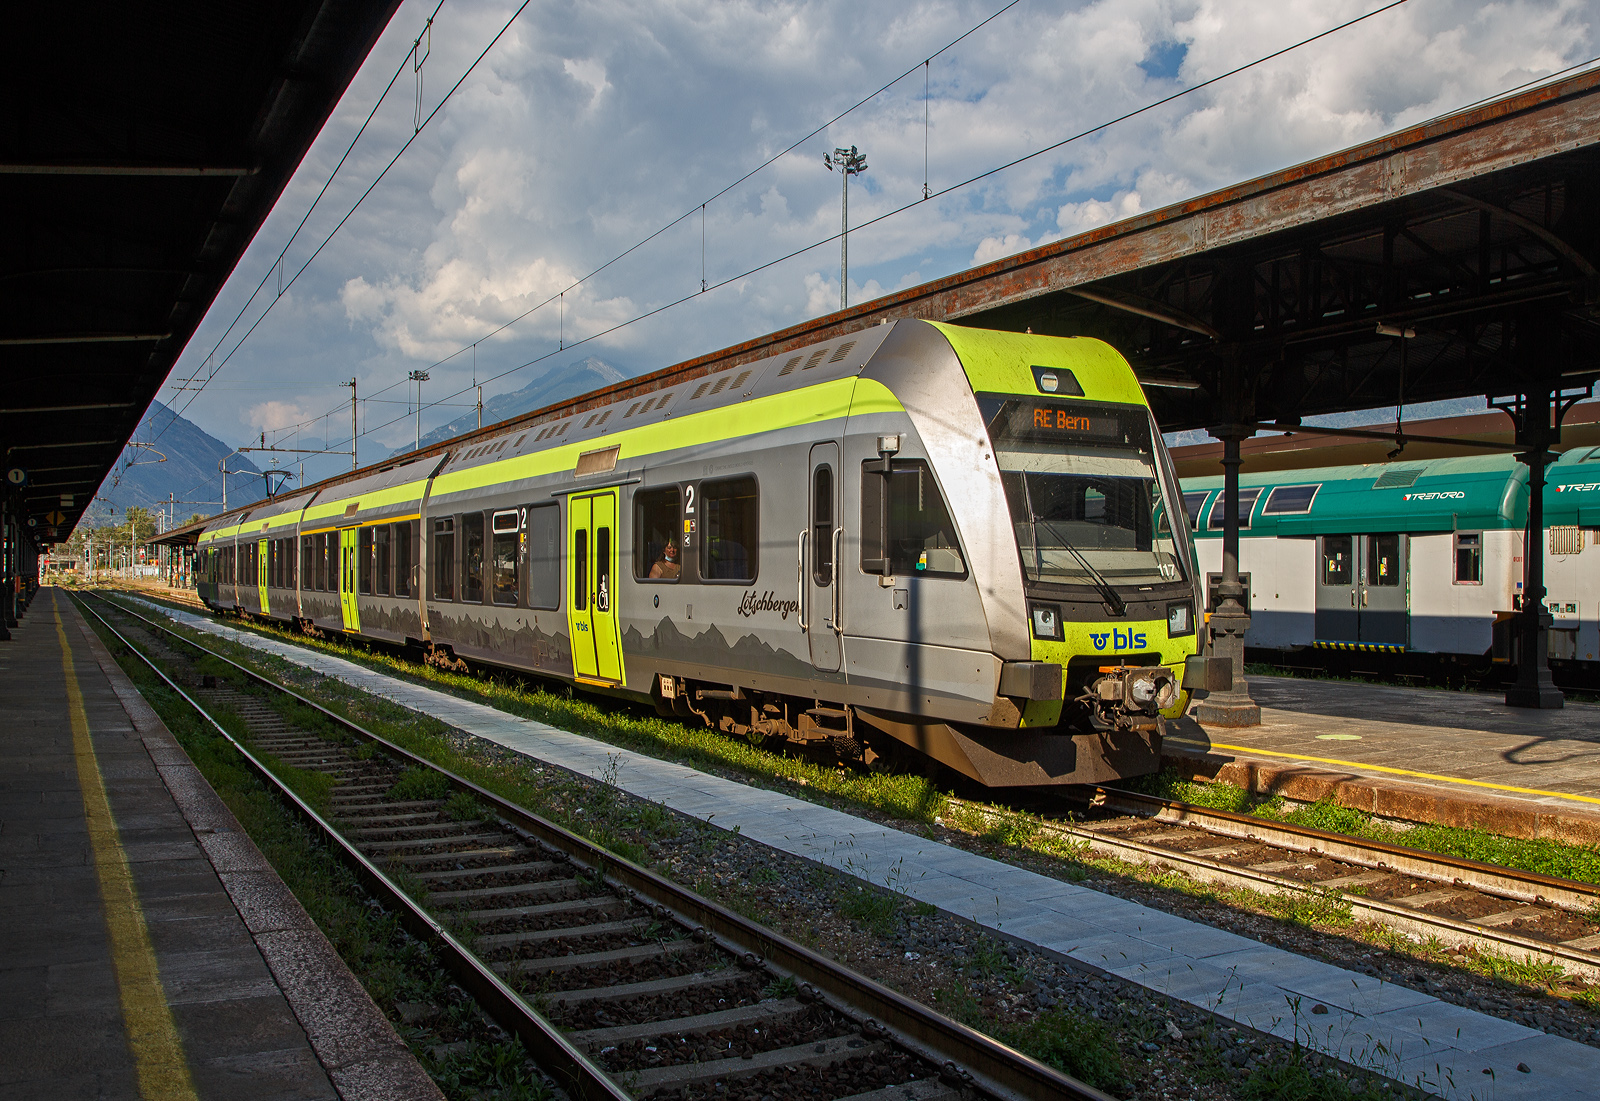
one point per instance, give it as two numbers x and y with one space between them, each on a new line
1255 984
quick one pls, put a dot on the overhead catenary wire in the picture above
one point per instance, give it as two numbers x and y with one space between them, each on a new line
1080 135
575 284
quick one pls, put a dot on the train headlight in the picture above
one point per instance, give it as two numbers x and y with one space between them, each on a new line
1046 621
1180 619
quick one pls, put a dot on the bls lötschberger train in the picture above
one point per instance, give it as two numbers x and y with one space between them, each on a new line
961 541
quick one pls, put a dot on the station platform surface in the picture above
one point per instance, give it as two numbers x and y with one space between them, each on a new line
147 948
1457 757
1402 1032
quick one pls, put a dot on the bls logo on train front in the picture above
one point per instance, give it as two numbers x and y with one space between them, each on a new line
1120 640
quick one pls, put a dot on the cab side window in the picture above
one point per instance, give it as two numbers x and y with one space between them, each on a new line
905 525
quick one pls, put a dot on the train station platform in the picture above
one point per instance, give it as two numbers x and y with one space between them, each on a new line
1458 758
1408 1034
147 948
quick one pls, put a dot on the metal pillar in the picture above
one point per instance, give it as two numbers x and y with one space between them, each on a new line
1230 619
1535 687
8 560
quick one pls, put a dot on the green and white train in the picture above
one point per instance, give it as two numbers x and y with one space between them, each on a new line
1410 557
918 535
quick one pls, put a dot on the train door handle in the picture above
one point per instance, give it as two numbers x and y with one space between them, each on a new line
838 535
800 584
1353 598
1363 598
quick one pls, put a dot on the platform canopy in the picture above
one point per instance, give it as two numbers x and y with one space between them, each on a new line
141 147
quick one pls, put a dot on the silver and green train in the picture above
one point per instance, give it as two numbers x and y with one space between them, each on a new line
966 543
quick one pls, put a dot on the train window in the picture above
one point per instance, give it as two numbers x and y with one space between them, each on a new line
602 569
308 571
503 556
544 556
1192 504
580 569
364 560
1383 560
472 557
659 534
1338 557
380 560
1247 504
822 525
905 524
444 559
1288 500
402 559
730 511
1469 558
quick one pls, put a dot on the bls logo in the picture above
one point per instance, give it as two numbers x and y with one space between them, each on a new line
1120 640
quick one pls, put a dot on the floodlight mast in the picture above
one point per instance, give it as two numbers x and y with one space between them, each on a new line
418 377
849 162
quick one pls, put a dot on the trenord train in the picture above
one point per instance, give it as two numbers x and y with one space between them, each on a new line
1419 558
919 535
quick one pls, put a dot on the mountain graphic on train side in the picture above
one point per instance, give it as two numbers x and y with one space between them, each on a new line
556 384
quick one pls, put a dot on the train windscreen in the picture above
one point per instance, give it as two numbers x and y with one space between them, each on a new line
1087 503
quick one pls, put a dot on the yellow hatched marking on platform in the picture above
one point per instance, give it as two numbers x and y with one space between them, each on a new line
158 1056
1402 772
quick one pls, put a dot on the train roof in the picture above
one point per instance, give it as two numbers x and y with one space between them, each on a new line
1475 492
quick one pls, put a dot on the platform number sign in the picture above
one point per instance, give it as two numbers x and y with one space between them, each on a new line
16 477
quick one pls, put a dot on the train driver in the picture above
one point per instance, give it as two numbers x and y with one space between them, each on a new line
666 567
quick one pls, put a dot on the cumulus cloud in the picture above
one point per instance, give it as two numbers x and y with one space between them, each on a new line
272 415
590 128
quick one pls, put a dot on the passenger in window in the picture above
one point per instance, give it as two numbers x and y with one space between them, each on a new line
666 567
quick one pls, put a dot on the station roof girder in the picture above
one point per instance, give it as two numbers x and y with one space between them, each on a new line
140 150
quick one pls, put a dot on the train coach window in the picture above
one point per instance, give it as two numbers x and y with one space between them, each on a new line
444 559
544 556
364 560
658 541
822 526
1247 505
1384 567
730 511
308 571
1192 504
503 556
380 560
1290 500
905 524
402 559
1338 558
472 556
1469 558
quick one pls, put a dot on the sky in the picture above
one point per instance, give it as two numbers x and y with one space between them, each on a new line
588 127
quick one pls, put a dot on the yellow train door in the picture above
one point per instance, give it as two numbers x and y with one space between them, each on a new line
592 572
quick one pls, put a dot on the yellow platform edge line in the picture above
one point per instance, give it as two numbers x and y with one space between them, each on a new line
158 1057
1402 772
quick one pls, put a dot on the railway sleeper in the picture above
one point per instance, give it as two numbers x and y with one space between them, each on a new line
648 988
772 1011
509 890
496 941
423 832
411 843
462 871
593 905
549 964
824 1054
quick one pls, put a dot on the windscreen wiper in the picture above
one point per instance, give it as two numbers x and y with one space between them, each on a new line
1117 605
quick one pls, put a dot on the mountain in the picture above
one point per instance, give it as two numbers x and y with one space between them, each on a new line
554 385
181 460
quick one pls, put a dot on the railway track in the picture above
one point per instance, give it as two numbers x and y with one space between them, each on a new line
1463 903
621 983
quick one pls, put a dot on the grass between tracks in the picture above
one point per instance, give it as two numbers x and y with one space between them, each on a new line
395 968
1577 862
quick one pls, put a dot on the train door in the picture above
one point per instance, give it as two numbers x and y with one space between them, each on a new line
263 572
592 570
1362 594
819 552
348 608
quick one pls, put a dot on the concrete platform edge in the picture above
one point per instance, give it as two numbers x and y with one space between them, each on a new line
363 1055
1410 802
